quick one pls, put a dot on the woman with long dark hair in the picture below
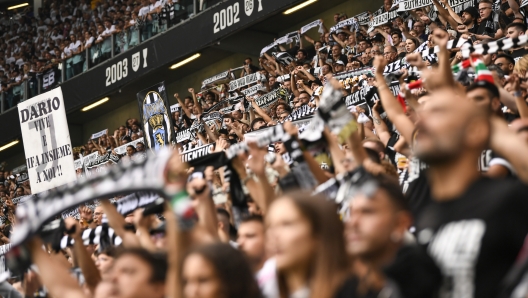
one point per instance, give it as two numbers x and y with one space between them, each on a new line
217 271
304 233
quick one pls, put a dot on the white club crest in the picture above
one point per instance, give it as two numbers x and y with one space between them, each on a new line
248 7
136 60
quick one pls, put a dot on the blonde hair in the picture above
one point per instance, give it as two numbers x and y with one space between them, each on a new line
521 66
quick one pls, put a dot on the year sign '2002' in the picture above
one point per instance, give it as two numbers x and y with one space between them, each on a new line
229 16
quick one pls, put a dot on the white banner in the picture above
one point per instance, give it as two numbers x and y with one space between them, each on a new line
244 81
349 22
413 4
47 145
363 18
459 5
122 149
313 24
381 19
99 134
174 107
253 89
267 48
4 271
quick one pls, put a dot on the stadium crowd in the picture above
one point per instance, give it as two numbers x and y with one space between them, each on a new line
76 35
416 190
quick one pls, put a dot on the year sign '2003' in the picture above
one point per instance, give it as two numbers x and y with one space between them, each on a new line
230 15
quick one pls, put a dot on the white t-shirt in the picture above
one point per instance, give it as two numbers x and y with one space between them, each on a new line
74 46
63 19
109 31
89 41
53 14
10 59
66 52
267 279
19 62
156 5
55 37
143 11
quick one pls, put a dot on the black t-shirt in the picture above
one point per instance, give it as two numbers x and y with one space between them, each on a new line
341 57
488 158
349 289
188 121
488 27
517 54
475 238
389 149
473 29
413 181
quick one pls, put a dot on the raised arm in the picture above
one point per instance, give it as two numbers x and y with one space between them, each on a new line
508 145
87 265
259 110
257 165
196 103
382 131
117 222
522 108
203 204
341 43
335 152
209 132
143 225
392 107
308 38
182 105
405 30
450 16
515 8
175 251
306 73
55 278
385 35
314 166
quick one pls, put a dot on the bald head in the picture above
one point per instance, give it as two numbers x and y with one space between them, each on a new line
449 127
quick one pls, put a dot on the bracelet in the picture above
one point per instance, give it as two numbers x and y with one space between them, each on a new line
246 180
382 87
517 93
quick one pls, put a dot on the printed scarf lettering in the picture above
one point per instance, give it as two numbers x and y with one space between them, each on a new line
216 79
413 4
244 81
196 153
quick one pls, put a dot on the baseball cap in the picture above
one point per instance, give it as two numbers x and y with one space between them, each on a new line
472 11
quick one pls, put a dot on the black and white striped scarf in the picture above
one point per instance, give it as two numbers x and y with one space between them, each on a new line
167 12
94 236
